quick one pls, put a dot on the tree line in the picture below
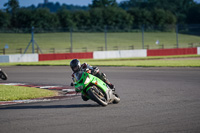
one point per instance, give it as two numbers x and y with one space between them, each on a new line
101 13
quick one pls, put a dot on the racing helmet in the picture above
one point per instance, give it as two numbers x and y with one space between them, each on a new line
75 65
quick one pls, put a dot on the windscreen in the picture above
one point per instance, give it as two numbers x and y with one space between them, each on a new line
78 75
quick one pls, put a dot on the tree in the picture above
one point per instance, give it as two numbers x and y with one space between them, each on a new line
162 17
12 6
65 18
134 4
81 18
24 18
4 19
117 17
51 6
42 18
107 12
170 18
96 17
193 15
159 17
103 3
141 16
178 8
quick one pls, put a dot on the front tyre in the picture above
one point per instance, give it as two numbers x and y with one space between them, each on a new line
97 95
3 75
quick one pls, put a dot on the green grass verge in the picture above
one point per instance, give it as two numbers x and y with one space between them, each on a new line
152 63
123 40
9 93
161 61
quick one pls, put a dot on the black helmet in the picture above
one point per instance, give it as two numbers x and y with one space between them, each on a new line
75 65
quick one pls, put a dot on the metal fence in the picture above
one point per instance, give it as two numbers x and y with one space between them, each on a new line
87 39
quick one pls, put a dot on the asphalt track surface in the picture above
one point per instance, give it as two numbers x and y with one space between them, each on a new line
153 100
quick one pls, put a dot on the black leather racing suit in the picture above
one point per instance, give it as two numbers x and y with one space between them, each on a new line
95 71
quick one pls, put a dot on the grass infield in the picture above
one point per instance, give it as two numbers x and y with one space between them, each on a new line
10 93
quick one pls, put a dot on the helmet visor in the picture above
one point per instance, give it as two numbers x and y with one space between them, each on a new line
75 68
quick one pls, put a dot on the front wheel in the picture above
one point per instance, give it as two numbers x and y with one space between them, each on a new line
3 75
97 95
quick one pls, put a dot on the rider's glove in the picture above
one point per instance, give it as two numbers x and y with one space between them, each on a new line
87 70
95 70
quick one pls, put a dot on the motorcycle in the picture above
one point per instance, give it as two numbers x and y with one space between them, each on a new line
3 75
94 88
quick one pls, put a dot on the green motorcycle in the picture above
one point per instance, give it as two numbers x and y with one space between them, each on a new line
94 88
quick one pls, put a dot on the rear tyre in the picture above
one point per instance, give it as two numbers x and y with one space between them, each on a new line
97 95
117 99
3 75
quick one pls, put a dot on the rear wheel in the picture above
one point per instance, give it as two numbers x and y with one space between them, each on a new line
3 75
117 99
97 95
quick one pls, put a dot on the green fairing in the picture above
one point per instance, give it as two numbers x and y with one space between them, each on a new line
94 80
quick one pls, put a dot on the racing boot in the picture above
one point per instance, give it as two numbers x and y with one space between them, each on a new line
102 76
112 87
84 97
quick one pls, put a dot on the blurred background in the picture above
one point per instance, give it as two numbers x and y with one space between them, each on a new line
60 26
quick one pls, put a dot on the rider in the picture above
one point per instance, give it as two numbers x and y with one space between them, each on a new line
77 66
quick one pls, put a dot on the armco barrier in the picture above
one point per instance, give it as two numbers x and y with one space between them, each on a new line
198 50
4 58
19 58
23 58
119 54
63 56
165 52
98 55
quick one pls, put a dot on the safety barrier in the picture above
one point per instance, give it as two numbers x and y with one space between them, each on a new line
198 50
19 58
144 53
63 56
166 52
4 58
119 54
98 55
